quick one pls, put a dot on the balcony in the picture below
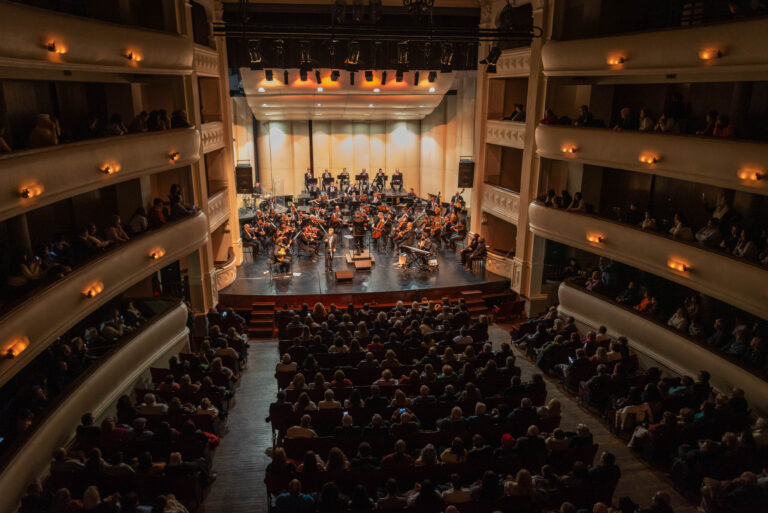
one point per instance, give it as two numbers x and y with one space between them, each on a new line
96 391
218 208
212 136
654 341
66 301
728 163
206 61
505 133
59 172
714 50
743 285
501 202
27 34
514 63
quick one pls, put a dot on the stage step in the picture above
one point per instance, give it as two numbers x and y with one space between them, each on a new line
262 315
261 334
263 306
262 321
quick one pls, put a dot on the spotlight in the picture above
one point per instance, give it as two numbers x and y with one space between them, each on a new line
493 55
269 74
305 55
353 56
254 54
398 76
416 78
446 57
351 78
376 90
278 51
319 89
402 56
317 77
383 78
335 75
432 76
261 90
368 75
303 75
285 77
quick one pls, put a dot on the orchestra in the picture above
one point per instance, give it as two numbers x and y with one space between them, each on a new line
407 223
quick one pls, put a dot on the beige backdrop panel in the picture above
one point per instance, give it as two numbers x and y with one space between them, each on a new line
300 130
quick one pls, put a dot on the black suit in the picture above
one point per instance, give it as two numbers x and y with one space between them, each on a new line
330 248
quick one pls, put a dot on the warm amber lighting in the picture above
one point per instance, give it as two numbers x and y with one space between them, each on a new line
133 56
15 347
157 253
56 48
614 60
30 191
595 238
709 54
94 289
751 175
110 168
678 266
569 148
649 158
174 156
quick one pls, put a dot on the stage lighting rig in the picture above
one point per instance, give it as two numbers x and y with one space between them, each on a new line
493 56
352 62
446 57
254 54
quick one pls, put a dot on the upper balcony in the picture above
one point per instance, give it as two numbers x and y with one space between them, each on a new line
728 163
206 61
715 50
58 172
32 325
501 202
663 346
515 62
212 136
743 285
33 38
218 208
505 133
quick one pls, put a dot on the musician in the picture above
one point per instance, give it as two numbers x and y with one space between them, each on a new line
327 179
257 189
364 178
427 245
359 223
308 176
478 254
332 190
412 194
458 198
459 232
379 234
343 179
313 190
379 180
397 179
466 252
406 237
331 240
281 256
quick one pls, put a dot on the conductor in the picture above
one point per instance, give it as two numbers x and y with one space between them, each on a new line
358 230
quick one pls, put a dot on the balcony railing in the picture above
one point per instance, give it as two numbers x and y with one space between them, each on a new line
206 61
500 202
218 208
728 163
95 391
662 345
40 319
716 50
59 172
212 136
732 281
515 62
505 133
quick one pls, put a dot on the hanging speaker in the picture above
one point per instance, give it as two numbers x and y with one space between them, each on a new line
244 179
466 174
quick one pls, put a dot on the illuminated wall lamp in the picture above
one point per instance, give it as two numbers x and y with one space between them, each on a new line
30 191
109 169
16 347
569 148
595 238
157 253
615 60
678 266
752 175
54 48
174 156
133 56
649 158
93 290
709 54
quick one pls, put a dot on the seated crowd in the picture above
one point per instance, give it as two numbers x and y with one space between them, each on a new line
155 454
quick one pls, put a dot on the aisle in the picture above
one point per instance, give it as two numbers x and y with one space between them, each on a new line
240 460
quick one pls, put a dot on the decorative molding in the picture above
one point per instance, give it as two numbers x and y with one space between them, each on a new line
517 275
709 160
218 209
505 133
62 304
515 62
501 203
212 136
660 344
226 274
67 170
499 264
206 61
25 32
733 281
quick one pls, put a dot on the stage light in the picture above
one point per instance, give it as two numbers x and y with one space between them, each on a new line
402 56
353 56
335 75
278 54
370 105
383 78
446 57
264 105
368 75
416 78
254 54
285 80
376 90
320 89
351 78
318 105
262 90
317 77
269 75
305 55
432 76
431 89
493 56
303 75
398 76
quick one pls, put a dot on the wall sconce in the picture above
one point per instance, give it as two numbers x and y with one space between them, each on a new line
709 54
157 253
30 191
109 169
94 289
678 266
54 48
569 148
595 238
614 60
649 158
133 56
752 175
174 156
15 347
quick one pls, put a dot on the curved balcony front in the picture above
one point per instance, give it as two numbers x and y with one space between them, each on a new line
661 345
94 392
713 50
32 38
500 202
732 281
59 172
728 163
32 325
212 136
505 133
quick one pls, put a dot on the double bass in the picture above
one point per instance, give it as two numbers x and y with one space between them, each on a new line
379 229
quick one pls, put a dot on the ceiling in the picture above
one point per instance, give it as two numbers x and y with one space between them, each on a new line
340 100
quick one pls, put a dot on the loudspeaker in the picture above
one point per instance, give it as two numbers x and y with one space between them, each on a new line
244 179
344 275
466 174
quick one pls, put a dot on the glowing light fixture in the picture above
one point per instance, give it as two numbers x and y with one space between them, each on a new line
133 56
751 175
30 191
709 54
376 90
56 48
649 158
261 90
678 266
431 89
569 148
15 347
94 289
615 60
319 89
157 253
595 238
174 156
110 168
370 105
318 105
